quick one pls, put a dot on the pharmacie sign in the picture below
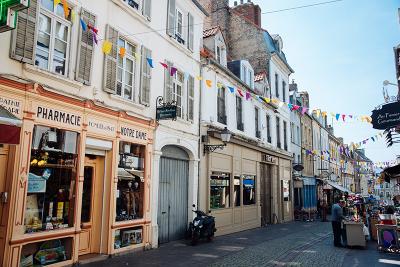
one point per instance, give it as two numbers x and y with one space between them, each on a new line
9 13
60 116
387 117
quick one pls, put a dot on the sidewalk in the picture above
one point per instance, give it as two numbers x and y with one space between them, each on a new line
291 244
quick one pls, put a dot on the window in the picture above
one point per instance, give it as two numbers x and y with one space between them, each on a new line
285 190
53 38
191 98
268 122
178 92
236 191
221 105
285 135
284 91
251 79
244 73
130 186
220 190
249 189
51 180
298 135
126 71
257 123
278 132
218 54
179 27
239 113
276 86
292 137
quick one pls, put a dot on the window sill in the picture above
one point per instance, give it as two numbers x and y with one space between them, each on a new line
128 102
51 75
131 11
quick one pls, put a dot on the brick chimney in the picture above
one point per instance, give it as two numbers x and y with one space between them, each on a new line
250 11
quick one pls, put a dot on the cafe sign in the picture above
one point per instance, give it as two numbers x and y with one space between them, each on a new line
165 110
388 116
9 11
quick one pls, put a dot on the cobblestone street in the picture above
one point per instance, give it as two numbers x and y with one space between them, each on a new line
292 244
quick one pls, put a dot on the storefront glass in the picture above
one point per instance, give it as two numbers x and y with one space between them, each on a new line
236 191
249 189
220 188
128 237
130 188
51 180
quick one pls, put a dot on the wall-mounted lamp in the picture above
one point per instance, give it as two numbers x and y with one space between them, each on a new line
225 138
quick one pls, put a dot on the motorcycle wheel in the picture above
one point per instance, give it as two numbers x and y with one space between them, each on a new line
195 237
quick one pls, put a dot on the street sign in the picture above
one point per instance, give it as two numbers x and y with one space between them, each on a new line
165 111
8 13
386 117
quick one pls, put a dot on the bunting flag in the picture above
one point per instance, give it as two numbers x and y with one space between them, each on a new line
94 36
337 116
122 52
296 107
304 110
231 89
343 117
209 83
199 78
219 85
83 25
290 106
66 9
150 62
107 46
73 16
186 76
56 3
240 92
94 30
136 55
248 95
164 65
324 114
173 71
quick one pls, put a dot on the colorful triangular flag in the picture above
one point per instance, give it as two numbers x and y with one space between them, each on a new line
173 71
164 65
107 46
150 62
83 25
231 89
209 83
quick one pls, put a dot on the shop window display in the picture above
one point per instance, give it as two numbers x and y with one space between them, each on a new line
47 252
249 189
220 189
128 237
51 180
130 187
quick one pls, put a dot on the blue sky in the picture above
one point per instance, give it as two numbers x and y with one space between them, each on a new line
341 53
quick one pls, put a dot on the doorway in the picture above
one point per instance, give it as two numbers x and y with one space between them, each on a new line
94 235
266 194
172 216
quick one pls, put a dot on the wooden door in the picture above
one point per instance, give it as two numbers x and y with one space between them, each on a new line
266 194
5 174
92 221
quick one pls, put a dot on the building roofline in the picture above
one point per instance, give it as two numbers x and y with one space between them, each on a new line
200 7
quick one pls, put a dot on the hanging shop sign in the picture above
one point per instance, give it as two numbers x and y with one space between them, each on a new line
386 117
165 110
8 13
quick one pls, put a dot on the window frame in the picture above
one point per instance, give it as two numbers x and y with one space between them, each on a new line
239 114
221 105
257 122
54 18
134 76
175 84
278 133
268 126
276 85
177 12
285 142
283 91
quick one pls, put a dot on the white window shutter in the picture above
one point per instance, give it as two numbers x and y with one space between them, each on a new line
191 98
190 31
171 17
145 82
84 63
23 41
146 10
168 87
110 61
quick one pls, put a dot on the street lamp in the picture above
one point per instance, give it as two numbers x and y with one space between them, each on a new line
225 138
386 83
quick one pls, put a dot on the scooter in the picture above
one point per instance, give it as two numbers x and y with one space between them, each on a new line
203 226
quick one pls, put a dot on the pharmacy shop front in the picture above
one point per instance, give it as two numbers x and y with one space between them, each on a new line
78 183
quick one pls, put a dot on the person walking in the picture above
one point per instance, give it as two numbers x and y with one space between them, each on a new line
337 217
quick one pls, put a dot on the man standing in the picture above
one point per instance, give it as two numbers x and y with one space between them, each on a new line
337 217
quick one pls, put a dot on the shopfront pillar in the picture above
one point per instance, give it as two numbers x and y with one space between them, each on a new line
154 197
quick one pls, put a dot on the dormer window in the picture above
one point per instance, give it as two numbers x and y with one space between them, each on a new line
218 54
247 74
220 51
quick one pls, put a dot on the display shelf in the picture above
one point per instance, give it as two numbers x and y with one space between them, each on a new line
55 166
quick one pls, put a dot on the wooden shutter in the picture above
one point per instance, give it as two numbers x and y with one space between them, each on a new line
171 17
85 53
23 41
168 87
190 31
110 61
145 77
191 98
146 11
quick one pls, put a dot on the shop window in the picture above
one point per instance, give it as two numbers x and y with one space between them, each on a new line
249 189
236 191
220 190
45 253
51 180
130 187
128 237
286 190
87 195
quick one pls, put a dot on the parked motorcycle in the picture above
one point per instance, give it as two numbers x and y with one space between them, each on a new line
203 226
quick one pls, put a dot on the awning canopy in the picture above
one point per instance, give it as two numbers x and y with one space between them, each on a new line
339 187
391 173
9 127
